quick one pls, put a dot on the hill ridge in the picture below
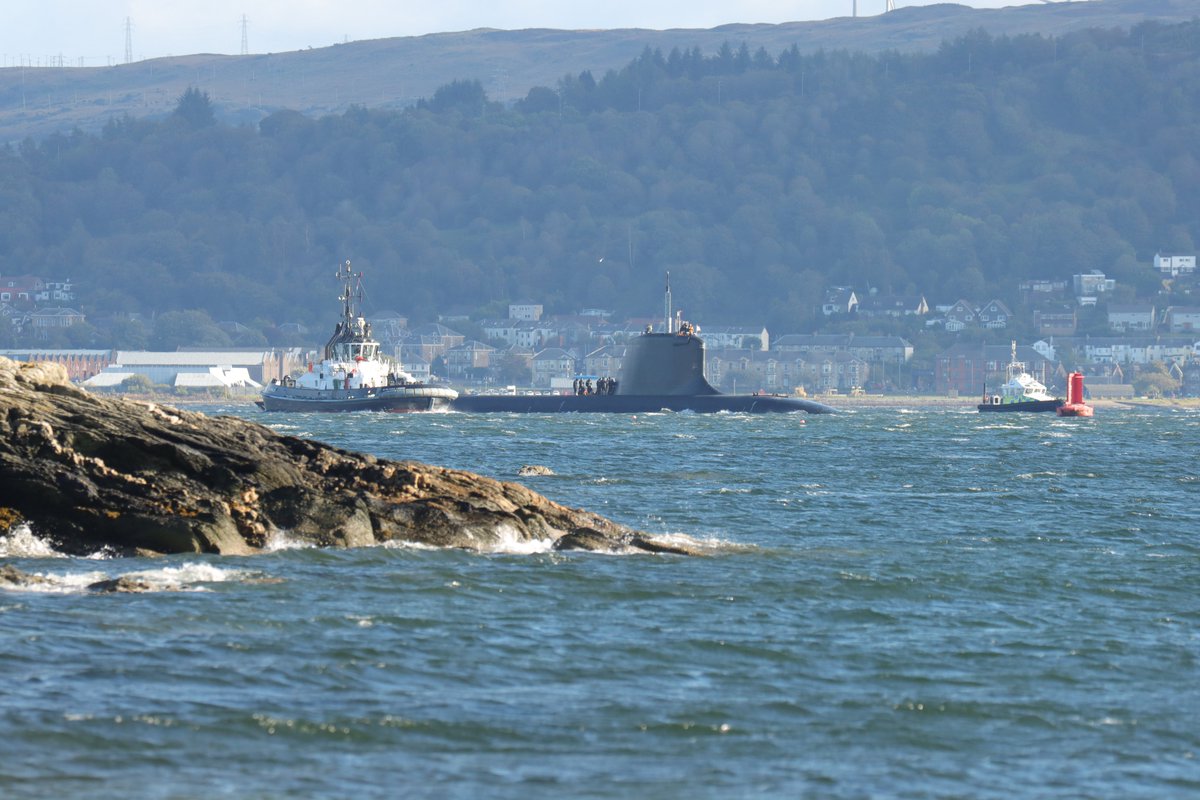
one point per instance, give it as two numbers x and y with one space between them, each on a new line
395 72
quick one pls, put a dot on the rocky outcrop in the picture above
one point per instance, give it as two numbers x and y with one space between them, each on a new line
91 472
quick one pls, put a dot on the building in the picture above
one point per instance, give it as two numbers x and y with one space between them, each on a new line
1175 265
892 305
1056 320
871 349
1124 317
526 311
1181 319
839 300
80 364
21 288
48 319
469 361
959 316
551 363
1190 386
605 361
191 369
412 362
994 316
433 340
1034 292
1090 285
736 337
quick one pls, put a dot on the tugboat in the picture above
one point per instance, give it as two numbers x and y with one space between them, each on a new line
662 372
1021 392
352 375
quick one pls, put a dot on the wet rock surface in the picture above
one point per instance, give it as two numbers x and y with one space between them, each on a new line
92 472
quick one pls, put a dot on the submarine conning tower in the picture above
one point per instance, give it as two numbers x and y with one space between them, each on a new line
670 363
665 363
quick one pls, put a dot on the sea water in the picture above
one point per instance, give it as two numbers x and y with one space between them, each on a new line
913 603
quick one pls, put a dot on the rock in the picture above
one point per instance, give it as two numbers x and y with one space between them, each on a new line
90 472
534 469
121 585
13 578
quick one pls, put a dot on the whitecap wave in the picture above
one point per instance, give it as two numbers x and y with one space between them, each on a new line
186 577
183 578
705 545
22 542
509 541
284 540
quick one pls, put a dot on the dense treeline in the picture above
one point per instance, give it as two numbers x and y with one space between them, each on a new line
757 179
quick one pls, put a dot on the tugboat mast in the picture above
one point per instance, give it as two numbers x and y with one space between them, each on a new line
348 277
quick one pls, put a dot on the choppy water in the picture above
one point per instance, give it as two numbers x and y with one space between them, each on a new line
921 603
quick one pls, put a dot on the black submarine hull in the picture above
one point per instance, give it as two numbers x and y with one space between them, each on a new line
662 372
634 404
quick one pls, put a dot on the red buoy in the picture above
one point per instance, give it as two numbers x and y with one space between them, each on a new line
1075 407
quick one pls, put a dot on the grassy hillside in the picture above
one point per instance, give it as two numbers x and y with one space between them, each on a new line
395 72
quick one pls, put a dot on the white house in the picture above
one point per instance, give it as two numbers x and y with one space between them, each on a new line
994 315
1130 317
1088 285
527 311
1175 265
1180 319
735 337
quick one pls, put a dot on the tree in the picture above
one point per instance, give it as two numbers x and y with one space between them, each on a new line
195 108
539 99
137 384
176 329
1154 381
466 97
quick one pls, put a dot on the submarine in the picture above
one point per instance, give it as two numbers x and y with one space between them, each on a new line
663 371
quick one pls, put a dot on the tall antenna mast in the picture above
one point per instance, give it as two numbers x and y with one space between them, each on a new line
128 40
245 41
670 324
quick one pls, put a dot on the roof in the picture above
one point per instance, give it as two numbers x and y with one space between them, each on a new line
57 312
107 380
216 378
433 329
200 358
199 380
741 330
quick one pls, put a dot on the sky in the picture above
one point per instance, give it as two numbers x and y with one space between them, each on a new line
92 32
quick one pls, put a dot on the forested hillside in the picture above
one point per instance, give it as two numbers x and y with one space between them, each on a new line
757 178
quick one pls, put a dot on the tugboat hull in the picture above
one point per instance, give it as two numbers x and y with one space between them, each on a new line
393 400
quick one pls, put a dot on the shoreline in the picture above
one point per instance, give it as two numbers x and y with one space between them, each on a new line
838 402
